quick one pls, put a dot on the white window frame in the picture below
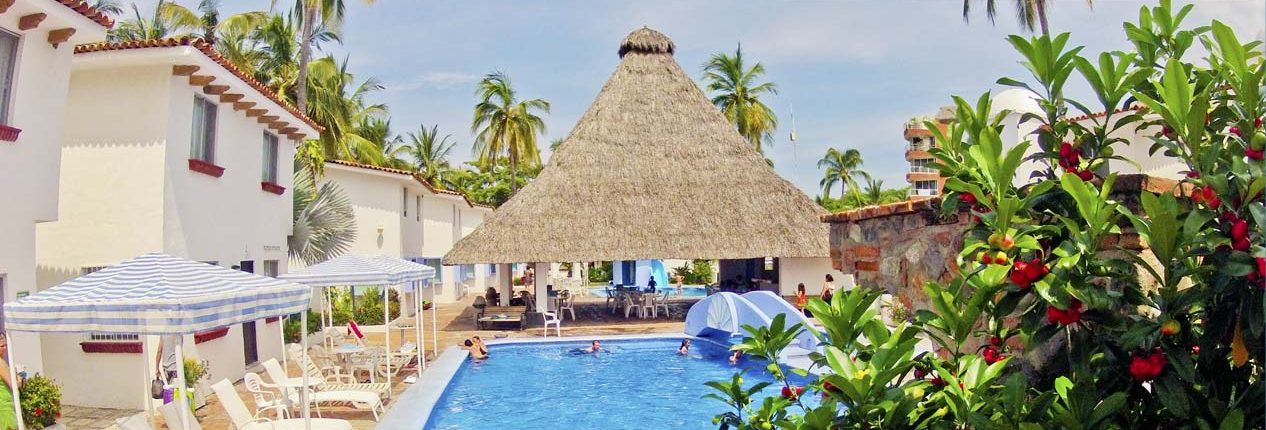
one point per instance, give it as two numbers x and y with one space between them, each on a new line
202 145
272 147
8 67
271 268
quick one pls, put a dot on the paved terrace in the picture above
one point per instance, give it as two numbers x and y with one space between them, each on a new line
456 323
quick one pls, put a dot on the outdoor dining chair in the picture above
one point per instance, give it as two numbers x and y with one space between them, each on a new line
566 302
552 319
661 302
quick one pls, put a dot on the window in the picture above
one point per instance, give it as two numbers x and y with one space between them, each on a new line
417 215
270 158
925 188
202 144
8 57
271 267
404 201
922 165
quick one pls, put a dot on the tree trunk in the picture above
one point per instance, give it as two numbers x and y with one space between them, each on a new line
514 171
1041 17
305 55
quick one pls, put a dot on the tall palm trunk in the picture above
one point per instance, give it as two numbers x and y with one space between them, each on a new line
514 168
305 54
1041 17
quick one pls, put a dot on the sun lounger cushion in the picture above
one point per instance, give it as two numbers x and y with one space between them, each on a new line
364 397
379 388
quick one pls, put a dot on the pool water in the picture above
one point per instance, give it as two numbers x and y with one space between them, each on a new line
639 384
693 291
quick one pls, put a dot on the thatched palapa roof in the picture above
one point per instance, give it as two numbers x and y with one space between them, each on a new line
651 171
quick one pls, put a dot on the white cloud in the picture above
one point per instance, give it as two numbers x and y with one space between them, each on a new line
434 80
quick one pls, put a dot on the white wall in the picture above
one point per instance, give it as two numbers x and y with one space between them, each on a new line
29 166
127 190
811 271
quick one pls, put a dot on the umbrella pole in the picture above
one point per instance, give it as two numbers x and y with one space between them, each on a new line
145 355
418 335
303 358
435 340
182 388
386 333
281 330
13 377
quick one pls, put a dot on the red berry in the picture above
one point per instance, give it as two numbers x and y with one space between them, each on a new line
1145 367
992 355
1035 270
1241 244
1254 154
786 392
1167 131
968 198
1086 175
1261 266
1236 131
1239 230
986 258
937 381
1193 175
1195 349
1065 150
920 373
1257 122
995 340
1000 258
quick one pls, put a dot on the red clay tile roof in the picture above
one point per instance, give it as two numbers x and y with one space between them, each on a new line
87 10
412 175
210 52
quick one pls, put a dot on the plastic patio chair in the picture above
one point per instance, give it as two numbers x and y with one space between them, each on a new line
267 399
552 319
243 420
661 302
362 399
647 305
566 302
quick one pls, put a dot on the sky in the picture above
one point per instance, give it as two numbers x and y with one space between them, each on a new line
853 71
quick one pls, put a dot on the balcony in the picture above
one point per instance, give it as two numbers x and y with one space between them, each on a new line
918 192
923 169
917 152
913 130
913 176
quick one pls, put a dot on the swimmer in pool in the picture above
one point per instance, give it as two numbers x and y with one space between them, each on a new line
734 358
477 350
594 347
684 349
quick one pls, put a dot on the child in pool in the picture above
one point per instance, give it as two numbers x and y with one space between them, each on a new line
477 350
684 349
735 357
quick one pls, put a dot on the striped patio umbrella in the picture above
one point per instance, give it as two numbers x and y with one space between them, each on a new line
362 271
156 294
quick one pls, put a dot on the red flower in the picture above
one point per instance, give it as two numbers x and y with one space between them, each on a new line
1147 367
937 381
1086 175
968 198
992 355
920 373
39 412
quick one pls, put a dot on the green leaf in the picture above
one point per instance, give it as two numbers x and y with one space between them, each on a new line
1234 420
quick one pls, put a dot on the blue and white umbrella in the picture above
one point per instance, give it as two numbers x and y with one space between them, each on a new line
362 271
156 294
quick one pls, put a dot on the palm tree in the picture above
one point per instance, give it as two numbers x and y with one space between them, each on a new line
841 168
108 7
429 153
208 21
314 16
1031 13
157 26
505 125
737 94
324 223
339 105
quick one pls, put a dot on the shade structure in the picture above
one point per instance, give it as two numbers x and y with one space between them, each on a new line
651 171
361 270
156 294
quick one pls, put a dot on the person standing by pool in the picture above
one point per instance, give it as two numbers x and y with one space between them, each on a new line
680 282
650 286
684 349
828 288
802 299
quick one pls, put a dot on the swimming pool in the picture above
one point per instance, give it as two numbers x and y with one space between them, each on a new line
686 291
641 384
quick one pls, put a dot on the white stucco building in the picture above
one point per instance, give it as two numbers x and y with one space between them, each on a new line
398 214
166 148
37 39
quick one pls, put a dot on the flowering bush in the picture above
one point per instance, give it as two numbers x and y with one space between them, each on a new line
1049 324
41 401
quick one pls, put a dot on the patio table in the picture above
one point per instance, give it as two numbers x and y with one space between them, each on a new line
344 352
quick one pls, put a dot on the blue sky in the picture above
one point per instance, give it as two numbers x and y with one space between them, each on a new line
853 70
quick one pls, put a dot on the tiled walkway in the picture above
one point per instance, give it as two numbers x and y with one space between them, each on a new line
455 324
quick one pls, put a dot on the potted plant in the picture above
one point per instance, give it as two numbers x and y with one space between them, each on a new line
426 305
195 372
41 401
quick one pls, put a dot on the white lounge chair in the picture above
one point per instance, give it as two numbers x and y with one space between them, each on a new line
171 416
325 384
243 420
552 319
361 399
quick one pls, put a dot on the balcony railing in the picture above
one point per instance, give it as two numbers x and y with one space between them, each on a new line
921 192
923 169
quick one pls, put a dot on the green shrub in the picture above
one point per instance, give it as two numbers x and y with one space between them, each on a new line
41 401
194 371
1046 323
291 329
601 273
